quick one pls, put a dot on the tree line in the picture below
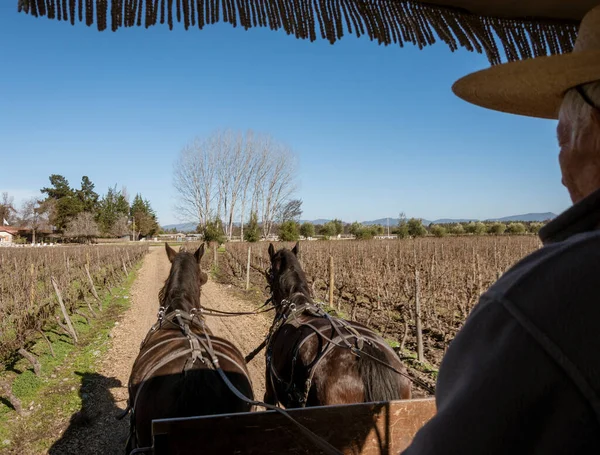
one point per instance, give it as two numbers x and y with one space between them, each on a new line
81 213
292 230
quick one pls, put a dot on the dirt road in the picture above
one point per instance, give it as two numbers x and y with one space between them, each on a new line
106 392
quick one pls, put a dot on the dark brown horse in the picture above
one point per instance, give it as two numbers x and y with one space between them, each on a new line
175 374
315 359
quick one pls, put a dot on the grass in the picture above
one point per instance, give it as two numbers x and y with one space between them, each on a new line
53 396
424 367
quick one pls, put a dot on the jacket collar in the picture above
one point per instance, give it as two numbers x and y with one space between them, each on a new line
584 216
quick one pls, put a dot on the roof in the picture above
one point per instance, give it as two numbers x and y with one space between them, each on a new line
10 230
503 30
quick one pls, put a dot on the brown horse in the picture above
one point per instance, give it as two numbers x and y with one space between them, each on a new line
175 372
315 359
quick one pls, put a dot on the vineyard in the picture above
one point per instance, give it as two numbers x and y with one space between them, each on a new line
42 289
380 282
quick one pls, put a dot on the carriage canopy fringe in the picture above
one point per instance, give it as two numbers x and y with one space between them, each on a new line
384 21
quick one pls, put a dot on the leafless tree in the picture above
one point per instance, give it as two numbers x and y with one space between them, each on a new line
195 175
83 226
278 185
234 172
220 176
7 208
34 214
120 227
291 210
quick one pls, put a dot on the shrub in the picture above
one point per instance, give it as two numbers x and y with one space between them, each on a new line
289 231
456 229
416 228
307 230
497 228
516 228
438 231
252 231
213 231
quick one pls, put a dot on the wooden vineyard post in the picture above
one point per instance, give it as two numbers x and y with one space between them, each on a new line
248 268
70 327
420 356
331 281
92 287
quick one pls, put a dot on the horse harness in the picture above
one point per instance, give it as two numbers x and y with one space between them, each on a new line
343 334
200 347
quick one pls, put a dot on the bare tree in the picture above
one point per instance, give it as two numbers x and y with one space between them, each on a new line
278 185
235 169
7 208
83 226
35 215
120 227
220 176
195 179
292 210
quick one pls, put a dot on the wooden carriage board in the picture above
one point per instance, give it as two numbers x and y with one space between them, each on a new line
364 428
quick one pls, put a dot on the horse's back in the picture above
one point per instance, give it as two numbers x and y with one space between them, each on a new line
165 383
336 374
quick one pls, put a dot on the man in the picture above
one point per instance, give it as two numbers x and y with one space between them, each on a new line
523 375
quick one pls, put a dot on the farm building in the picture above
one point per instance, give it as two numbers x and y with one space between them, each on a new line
7 234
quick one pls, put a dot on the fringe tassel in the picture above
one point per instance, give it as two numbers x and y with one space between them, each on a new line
385 21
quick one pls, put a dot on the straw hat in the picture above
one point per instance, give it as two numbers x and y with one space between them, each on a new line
535 87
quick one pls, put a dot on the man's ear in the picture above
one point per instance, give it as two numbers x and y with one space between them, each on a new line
171 253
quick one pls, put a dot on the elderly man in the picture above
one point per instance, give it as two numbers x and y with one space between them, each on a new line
523 375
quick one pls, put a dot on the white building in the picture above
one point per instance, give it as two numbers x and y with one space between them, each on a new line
7 235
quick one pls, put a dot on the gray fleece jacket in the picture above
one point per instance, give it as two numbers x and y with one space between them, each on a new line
523 374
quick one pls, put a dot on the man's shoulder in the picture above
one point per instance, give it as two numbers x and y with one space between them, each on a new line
553 268
554 294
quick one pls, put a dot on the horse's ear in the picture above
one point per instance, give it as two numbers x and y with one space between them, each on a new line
199 253
171 253
271 250
296 249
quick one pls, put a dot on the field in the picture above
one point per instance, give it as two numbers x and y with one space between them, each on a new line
31 280
376 282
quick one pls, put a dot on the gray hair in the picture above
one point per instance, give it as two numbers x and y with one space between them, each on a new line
576 112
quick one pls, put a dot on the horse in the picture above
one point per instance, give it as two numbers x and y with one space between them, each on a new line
315 359
176 371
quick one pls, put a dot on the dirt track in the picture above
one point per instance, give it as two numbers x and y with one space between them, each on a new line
96 431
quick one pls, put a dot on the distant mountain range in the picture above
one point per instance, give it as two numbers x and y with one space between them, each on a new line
527 217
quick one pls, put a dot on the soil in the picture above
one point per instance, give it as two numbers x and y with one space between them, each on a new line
94 429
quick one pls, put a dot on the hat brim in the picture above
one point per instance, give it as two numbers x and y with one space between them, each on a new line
533 87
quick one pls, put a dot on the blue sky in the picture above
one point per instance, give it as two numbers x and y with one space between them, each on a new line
376 129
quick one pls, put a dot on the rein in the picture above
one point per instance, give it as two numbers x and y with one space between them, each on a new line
183 321
206 311
293 310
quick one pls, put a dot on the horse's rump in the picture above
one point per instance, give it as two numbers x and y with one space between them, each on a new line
301 349
164 383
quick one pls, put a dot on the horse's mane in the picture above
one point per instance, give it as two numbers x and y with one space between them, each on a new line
183 284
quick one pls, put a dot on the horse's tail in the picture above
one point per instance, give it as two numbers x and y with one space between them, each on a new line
381 383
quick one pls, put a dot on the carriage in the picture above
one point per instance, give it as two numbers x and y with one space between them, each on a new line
529 28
